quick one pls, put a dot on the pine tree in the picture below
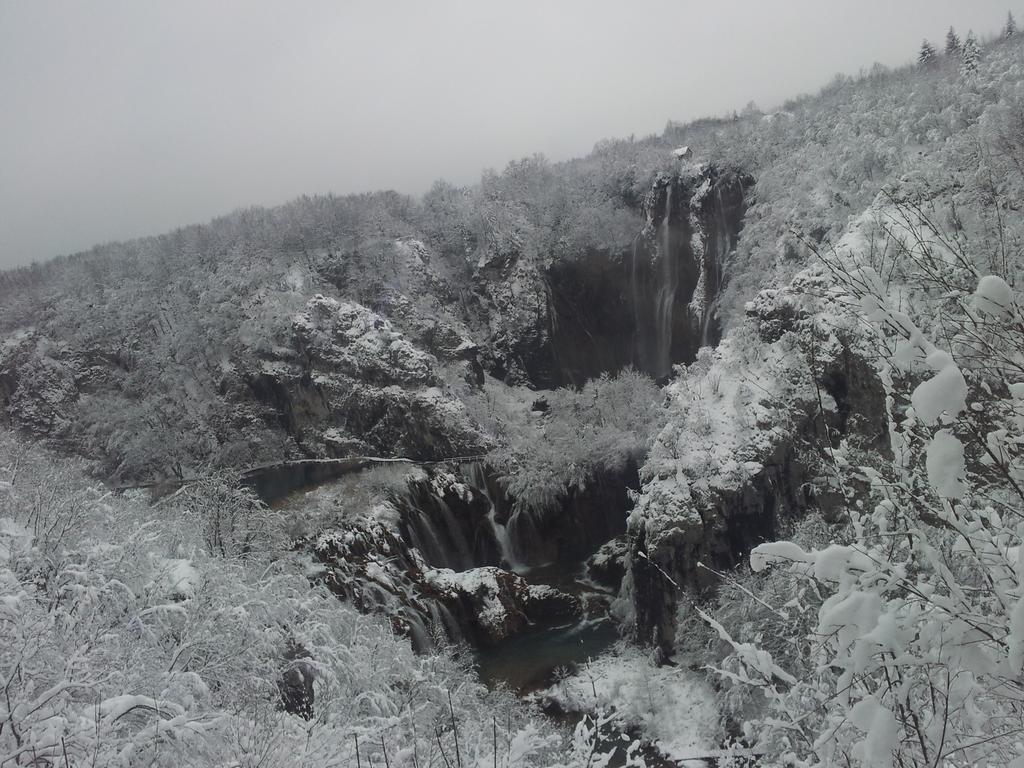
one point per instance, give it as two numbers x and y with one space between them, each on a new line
926 55
952 42
970 55
1011 25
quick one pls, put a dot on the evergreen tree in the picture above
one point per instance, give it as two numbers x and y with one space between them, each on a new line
927 53
970 55
952 42
1011 25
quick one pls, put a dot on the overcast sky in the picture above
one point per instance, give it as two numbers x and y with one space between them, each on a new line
120 119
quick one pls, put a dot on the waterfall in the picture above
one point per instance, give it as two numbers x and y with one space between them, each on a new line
442 619
422 642
713 268
504 542
522 528
425 538
438 536
474 472
665 302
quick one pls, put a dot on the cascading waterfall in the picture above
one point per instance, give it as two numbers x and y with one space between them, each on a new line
441 618
441 541
462 548
425 538
504 543
522 527
474 472
421 638
665 302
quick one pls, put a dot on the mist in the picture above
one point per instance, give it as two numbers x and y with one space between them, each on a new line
124 119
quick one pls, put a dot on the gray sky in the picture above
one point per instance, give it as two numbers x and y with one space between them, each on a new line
129 118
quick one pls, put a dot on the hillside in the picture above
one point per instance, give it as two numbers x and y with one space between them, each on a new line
754 405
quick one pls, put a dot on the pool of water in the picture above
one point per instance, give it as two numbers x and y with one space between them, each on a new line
529 661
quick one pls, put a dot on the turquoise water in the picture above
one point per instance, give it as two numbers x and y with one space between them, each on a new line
528 662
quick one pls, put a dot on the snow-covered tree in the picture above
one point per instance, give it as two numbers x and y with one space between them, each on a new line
926 55
953 44
918 649
1010 29
970 56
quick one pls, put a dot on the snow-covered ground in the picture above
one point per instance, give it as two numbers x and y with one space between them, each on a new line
673 707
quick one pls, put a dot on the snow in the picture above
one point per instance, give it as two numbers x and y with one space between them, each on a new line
482 583
993 296
945 465
178 576
118 706
764 554
944 394
14 538
295 278
727 418
359 341
881 732
681 152
673 707
828 564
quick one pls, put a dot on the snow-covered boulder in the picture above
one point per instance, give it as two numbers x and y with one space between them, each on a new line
349 337
743 448
501 603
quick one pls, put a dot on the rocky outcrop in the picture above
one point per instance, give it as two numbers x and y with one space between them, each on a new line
170 388
607 566
666 558
655 306
351 384
40 382
650 306
499 603
429 561
295 685
736 461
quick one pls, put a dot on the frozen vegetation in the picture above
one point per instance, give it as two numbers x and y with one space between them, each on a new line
753 389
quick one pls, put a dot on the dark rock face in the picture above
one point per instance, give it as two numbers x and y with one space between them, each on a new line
497 604
40 383
648 306
653 306
860 401
607 566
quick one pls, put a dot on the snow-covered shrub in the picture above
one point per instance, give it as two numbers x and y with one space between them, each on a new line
914 657
348 497
601 427
126 641
756 607
231 519
625 692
